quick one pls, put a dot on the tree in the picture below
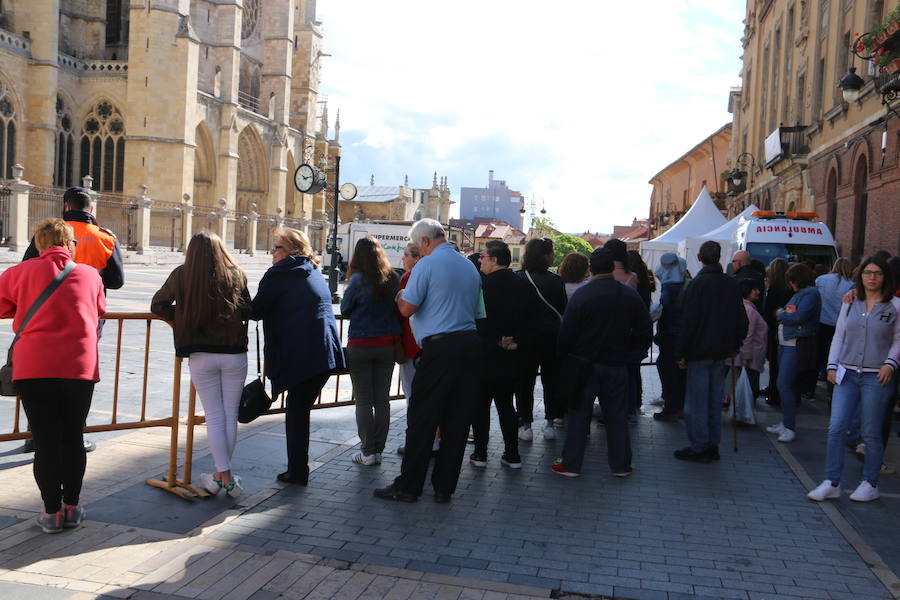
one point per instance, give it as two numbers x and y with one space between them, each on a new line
542 226
565 243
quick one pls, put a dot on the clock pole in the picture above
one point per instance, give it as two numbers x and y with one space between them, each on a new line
333 272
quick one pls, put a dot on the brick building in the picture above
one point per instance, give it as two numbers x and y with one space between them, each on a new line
801 145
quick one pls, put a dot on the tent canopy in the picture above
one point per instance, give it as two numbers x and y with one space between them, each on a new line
689 247
702 218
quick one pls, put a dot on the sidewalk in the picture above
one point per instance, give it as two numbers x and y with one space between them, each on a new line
739 528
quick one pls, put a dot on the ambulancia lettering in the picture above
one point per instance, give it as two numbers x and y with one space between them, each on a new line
787 229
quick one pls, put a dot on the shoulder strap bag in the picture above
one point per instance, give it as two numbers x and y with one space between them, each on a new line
541 296
7 387
254 399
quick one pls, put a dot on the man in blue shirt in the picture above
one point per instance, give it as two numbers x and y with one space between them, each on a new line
441 299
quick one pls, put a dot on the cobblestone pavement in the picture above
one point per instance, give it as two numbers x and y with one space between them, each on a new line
738 528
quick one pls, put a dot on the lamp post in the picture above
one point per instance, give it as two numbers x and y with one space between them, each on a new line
851 84
332 273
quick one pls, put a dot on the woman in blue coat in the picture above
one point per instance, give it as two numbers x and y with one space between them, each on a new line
302 342
798 323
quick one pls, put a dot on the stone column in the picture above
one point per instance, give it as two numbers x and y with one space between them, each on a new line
252 222
144 202
222 211
187 225
18 211
304 226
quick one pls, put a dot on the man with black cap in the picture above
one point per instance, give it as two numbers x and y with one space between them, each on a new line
95 246
606 327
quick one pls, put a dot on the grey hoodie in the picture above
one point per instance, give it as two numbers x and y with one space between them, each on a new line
863 342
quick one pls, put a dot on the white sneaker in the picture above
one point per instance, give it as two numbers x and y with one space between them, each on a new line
776 428
549 432
786 435
865 492
525 433
234 489
367 460
825 491
210 484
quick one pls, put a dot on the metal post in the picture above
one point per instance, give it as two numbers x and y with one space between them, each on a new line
333 274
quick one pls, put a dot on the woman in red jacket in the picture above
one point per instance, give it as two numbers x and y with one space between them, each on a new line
55 365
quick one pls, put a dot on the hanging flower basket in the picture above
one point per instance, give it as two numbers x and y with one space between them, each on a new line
887 33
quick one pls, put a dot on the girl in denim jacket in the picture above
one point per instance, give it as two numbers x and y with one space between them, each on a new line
798 323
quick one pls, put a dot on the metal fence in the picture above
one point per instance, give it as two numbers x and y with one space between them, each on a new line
117 213
44 203
165 225
5 194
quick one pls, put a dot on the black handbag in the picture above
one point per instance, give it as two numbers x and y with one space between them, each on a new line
7 387
254 399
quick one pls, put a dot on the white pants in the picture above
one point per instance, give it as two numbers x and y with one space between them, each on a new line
219 379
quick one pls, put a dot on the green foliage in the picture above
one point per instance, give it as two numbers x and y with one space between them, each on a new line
543 226
566 244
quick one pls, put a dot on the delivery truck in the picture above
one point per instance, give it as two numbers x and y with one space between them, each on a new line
393 237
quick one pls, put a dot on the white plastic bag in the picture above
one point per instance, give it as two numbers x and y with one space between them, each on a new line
744 400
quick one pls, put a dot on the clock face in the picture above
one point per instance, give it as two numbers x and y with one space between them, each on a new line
304 178
348 191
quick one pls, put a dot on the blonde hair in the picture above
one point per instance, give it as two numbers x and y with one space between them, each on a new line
296 242
52 232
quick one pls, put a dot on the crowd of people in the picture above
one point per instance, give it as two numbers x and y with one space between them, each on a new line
468 334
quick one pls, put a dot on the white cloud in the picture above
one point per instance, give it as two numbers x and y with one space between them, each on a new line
579 102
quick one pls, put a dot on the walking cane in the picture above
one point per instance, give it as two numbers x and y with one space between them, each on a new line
733 407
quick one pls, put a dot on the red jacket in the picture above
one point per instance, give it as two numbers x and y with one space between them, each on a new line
60 341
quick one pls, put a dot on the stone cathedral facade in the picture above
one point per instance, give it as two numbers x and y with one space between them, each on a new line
210 104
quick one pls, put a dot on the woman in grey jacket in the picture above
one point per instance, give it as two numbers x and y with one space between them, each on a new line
864 356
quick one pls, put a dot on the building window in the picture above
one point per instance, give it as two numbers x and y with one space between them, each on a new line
65 146
7 132
250 18
103 147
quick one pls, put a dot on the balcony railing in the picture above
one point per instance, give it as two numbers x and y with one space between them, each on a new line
248 101
93 67
14 42
786 142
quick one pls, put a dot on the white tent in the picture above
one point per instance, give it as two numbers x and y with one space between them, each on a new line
689 247
702 218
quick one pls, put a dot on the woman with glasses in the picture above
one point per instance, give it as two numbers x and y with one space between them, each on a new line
55 364
864 356
302 342
374 330
208 301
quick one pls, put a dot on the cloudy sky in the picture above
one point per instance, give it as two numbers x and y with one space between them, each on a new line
577 102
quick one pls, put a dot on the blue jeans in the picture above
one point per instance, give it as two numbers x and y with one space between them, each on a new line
703 403
857 390
787 385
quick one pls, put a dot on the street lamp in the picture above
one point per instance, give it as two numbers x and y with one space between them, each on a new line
744 163
850 85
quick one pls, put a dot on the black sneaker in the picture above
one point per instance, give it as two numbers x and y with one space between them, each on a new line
667 416
513 461
688 453
478 460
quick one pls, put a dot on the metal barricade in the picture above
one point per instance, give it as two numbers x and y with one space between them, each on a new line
5 194
44 203
171 481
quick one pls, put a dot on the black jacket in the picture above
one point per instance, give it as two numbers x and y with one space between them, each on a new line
511 308
714 322
554 291
113 273
605 322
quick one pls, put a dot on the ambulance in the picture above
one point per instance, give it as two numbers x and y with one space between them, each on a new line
793 236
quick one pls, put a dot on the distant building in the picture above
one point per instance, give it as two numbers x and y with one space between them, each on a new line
504 232
398 202
595 240
496 201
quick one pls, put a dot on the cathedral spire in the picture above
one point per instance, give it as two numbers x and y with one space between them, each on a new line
372 179
337 127
434 182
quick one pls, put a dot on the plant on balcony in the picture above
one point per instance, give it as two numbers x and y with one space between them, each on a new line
726 175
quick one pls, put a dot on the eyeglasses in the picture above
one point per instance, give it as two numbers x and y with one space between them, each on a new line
274 248
74 242
868 273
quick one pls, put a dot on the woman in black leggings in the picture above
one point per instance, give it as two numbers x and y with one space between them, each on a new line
55 363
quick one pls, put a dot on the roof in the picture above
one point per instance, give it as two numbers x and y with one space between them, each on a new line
722 129
500 231
377 193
